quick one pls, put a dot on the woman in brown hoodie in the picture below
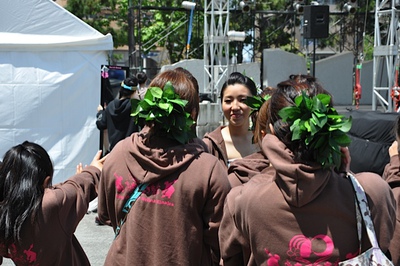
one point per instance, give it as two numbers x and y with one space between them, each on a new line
241 170
175 220
392 175
304 212
234 140
38 220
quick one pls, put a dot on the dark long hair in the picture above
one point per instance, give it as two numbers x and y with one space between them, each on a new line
284 96
239 78
130 82
22 174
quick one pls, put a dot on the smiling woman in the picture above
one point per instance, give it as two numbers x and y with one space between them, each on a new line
233 141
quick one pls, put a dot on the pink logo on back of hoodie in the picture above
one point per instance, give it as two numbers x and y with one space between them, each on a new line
168 189
124 190
303 251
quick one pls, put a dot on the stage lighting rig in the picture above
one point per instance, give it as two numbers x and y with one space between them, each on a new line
298 6
245 6
350 7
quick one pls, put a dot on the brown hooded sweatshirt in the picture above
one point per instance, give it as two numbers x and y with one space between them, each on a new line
392 175
300 215
241 170
51 240
175 220
216 145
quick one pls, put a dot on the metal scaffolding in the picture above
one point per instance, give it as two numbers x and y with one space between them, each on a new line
216 45
386 53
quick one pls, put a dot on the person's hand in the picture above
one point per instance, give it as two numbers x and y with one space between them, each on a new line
99 108
393 149
98 161
346 159
79 168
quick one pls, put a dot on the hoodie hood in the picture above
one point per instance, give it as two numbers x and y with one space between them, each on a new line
163 157
245 168
392 172
217 144
299 183
119 109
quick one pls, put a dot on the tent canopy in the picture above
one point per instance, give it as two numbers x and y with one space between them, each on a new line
50 84
44 25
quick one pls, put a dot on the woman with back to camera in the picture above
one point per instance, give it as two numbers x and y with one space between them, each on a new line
38 220
175 220
142 87
116 116
304 212
392 175
233 141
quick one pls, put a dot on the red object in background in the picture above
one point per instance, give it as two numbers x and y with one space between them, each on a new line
357 87
394 93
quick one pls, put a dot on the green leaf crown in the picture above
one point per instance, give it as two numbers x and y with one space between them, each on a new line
319 126
165 108
255 102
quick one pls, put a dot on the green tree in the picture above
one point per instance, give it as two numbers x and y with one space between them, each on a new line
168 27
352 32
271 24
106 16
152 24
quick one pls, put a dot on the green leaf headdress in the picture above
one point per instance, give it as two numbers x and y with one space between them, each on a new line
255 102
165 108
319 126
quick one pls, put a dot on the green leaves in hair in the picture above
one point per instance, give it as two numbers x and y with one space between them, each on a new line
319 126
255 102
165 108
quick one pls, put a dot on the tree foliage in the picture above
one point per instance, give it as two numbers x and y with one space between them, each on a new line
154 25
352 32
269 24
106 16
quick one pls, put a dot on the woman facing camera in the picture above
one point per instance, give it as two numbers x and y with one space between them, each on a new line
233 141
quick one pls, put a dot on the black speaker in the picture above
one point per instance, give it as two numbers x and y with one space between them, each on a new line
316 22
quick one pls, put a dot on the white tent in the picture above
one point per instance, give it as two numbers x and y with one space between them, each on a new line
50 64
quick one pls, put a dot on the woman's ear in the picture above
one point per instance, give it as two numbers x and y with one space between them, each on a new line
271 129
263 133
47 182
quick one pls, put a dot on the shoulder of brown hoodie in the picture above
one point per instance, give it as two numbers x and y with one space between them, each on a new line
241 170
216 145
392 176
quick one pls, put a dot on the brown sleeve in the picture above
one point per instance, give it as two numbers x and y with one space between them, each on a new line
73 196
392 169
235 249
382 206
213 209
105 202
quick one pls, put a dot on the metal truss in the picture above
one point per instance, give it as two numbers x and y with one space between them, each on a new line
386 54
216 45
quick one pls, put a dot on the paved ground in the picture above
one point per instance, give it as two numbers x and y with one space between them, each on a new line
94 239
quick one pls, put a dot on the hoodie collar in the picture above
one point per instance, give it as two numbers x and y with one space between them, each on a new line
299 183
160 157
